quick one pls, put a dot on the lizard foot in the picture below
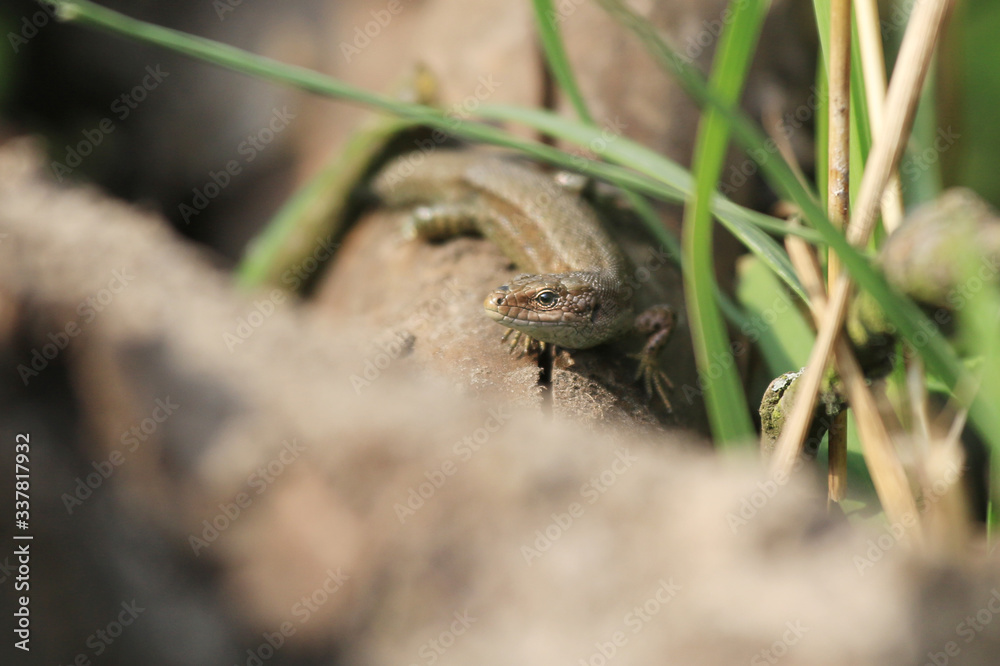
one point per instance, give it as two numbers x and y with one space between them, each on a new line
656 322
521 343
653 378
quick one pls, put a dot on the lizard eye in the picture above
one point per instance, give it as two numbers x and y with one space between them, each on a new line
546 298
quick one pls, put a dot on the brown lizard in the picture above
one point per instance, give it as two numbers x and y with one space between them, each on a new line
575 293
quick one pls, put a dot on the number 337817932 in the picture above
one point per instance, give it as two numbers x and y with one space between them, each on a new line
22 447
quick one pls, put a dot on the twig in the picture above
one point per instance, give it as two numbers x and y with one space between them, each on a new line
886 469
873 71
838 202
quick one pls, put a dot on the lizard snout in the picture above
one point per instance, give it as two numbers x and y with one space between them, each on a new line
496 303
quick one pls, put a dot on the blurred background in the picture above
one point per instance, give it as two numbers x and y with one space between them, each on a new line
158 130
169 131
59 81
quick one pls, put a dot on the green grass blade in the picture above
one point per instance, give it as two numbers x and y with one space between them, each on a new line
861 133
724 396
775 325
555 54
921 177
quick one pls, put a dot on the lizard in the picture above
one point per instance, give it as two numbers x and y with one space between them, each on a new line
574 293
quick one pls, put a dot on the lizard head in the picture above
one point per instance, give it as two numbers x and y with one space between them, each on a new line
569 310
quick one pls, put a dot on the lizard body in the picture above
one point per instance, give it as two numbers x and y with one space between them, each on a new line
576 294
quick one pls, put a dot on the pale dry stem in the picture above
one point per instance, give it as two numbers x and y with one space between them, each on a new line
904 92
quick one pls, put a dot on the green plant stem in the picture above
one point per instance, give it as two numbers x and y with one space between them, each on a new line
725 399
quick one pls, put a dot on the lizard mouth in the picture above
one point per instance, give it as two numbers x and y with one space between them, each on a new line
493 314
514 322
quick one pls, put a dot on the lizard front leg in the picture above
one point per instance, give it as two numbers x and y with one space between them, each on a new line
444 220
657 323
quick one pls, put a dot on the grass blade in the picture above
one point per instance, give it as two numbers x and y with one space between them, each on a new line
555 54
724 396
